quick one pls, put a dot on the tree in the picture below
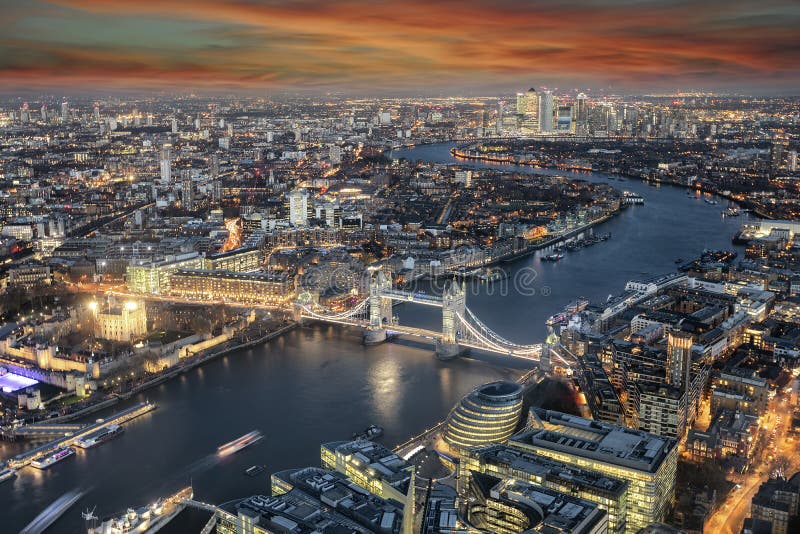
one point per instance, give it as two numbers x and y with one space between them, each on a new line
201 325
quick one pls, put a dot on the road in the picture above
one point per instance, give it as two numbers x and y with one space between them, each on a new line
730 516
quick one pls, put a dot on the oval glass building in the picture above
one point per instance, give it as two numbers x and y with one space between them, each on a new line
489 414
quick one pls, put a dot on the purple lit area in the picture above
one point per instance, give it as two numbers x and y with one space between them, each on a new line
11 382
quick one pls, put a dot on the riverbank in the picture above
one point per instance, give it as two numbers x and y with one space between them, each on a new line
200 358
510 159
166 375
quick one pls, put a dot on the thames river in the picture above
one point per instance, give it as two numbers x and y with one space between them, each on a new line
320 384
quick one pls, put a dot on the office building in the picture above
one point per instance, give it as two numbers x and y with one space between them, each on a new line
564 119
337 492
29 276
646 461
546 112
239 260
581 114
503 462
528 110
512 506
371 466
489 414
154 277
295 511
440 514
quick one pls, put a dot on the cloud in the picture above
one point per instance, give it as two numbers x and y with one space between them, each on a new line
407 44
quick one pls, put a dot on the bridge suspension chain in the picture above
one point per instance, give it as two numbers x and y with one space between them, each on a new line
496 342
349 314
490 334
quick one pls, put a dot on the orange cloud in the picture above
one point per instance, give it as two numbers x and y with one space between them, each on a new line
375 45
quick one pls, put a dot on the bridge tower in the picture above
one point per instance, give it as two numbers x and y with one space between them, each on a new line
453 305
380 309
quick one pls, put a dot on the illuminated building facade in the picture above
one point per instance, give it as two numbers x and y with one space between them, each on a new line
259 287
120 321
503 461
646 461
371 466
154 277
740 390
512 506
298 208
489 414
240 260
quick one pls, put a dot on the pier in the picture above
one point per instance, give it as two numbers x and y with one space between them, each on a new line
43 430
24 459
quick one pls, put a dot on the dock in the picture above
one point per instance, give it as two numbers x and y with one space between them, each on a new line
146 520
44 430
24 459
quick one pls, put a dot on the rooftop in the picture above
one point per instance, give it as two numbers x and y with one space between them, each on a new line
607 443
549 469
384 463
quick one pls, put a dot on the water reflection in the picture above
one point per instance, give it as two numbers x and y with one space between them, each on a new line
387 386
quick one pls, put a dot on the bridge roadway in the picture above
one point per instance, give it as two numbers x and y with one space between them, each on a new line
423 333
416 298
199 505
21 460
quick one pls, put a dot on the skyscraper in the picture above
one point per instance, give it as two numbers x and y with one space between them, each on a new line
96 113
166 171
64 111
679 358
499 119
564 119
214 167
298 207
187 192
581 115
528 109
546 111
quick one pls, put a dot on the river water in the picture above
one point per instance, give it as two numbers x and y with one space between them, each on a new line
320 384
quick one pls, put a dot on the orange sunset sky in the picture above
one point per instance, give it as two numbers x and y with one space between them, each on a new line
410 46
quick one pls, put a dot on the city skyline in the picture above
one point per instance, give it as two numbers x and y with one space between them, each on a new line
400 267
393 48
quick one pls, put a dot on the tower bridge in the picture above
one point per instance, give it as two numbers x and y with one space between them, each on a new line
461 328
